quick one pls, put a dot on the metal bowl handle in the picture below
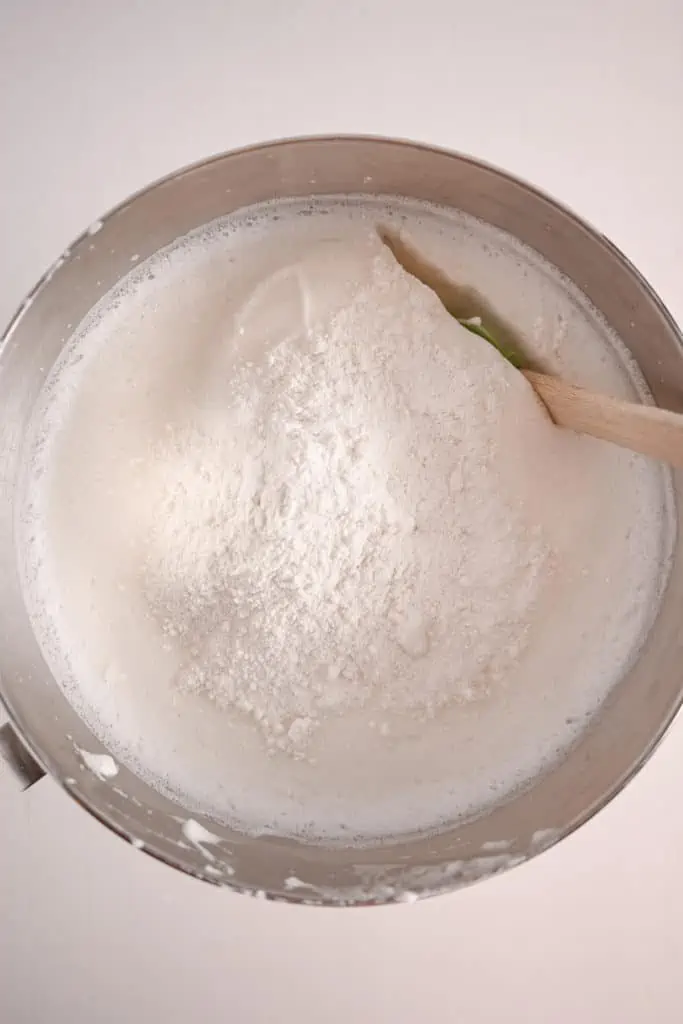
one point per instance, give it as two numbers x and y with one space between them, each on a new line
22 765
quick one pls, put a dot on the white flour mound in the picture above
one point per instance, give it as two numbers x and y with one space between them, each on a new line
333 531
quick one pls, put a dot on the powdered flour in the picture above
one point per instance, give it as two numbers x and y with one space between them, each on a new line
335 534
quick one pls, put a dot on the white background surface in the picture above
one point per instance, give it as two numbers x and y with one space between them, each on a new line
585 99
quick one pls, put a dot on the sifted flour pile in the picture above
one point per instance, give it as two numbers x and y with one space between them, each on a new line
335 534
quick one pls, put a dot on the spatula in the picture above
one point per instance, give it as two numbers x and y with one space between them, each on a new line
641 428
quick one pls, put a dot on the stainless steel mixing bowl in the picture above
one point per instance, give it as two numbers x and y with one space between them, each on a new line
637 711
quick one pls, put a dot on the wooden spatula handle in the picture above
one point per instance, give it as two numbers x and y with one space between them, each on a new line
642 428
